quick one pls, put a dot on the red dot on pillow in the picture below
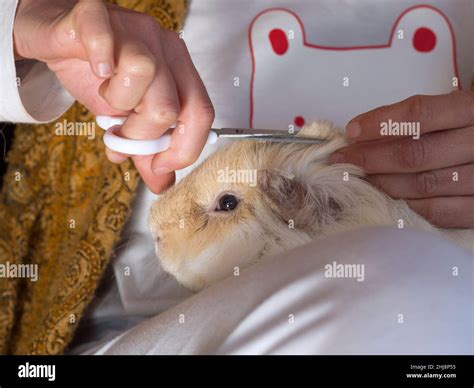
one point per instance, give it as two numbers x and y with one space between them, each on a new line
279 41
299 121
424 40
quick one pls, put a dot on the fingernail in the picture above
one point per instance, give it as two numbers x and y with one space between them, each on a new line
161 170
337 158
116 158
104 70
353 129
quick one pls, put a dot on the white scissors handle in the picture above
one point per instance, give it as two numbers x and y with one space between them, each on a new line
135 147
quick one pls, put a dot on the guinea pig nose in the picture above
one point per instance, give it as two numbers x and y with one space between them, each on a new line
158 237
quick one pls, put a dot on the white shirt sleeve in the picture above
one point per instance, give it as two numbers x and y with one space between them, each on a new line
29 91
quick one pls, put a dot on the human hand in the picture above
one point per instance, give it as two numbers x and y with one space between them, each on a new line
435 173
120 62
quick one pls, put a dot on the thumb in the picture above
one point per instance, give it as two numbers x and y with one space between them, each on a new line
88 23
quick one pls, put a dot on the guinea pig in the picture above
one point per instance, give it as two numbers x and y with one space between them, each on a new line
253 199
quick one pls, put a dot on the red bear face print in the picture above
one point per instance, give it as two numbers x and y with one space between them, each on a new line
295 82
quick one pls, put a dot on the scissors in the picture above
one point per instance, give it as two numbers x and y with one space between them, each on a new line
150 147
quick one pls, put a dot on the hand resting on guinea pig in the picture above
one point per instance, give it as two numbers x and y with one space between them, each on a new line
253 199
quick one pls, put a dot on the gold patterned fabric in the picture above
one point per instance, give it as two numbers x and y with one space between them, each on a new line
62 207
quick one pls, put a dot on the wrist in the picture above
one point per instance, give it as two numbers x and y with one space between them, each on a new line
18 25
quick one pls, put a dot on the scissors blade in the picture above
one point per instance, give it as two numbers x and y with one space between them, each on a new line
273 135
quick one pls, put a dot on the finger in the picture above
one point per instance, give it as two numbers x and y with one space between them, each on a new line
197 112
431 152
115 157
432 113
453 181
446 212
91 21
156 183
159 108
135 72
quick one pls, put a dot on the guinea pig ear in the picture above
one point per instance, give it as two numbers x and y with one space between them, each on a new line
287 195
293 200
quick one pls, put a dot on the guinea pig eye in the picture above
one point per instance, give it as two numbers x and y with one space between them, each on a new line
227 203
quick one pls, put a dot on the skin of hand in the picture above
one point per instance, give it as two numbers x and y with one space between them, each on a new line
120 62
434 174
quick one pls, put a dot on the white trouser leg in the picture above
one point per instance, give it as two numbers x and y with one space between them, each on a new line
415 298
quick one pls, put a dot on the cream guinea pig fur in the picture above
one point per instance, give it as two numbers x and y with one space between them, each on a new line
205 225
